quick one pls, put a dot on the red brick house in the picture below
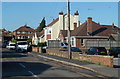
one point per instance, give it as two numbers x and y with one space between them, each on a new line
5 35
89 30
24 32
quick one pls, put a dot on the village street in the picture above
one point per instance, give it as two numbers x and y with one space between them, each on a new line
26 66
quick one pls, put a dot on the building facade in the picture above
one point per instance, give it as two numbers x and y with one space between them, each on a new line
90 30
52 30
24 32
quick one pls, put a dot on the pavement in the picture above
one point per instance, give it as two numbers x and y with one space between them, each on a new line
103 70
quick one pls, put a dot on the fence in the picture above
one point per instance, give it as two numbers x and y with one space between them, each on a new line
53 43
101 43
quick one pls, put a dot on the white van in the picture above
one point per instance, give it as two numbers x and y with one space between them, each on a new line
11 45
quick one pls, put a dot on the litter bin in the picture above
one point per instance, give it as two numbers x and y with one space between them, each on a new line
43 50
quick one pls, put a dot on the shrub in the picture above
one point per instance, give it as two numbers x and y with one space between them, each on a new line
42 44
15 41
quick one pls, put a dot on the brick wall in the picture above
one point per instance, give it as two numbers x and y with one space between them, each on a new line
35 49
57 52
103 60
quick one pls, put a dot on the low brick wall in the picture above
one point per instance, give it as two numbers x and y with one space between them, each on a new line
98 59
57 52
35 49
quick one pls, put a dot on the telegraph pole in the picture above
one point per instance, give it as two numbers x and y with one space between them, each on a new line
68 13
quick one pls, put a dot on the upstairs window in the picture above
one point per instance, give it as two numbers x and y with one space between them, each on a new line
18 32
48 31
23 32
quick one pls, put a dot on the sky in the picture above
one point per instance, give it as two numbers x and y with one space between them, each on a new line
16 14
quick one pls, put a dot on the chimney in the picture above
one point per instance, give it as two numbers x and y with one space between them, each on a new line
113 27
89 25
61 20
75 25
61 13
76 18
76 13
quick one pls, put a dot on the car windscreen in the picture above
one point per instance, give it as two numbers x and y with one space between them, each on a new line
102 49
74 49
115 48
12 44
66 43
22 43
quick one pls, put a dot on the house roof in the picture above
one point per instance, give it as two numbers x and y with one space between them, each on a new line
64 32
98 30
25 28
40 33
53 22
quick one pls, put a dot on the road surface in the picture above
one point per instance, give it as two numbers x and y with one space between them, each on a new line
31 66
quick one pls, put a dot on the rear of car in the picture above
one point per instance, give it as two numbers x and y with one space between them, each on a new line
114 51
97 51
64 45
22 46
11 46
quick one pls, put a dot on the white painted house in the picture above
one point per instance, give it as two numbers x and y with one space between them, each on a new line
52 30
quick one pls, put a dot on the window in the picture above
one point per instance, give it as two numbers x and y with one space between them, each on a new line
18 32
48 31
29 32
82 42
72 41
23 32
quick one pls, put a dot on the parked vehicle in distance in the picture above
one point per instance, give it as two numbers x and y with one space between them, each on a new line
64 45
5 43
11 45
75 49
72 49
22 46
114 51
96 51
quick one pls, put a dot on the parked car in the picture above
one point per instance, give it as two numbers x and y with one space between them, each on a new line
96 51
5 43
22 46
114 51
75 49
72 49
11 45
64 45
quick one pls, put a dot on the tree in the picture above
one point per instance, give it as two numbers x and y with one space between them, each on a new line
41 26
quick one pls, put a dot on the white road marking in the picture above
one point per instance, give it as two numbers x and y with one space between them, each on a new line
22 65
28 71
32 74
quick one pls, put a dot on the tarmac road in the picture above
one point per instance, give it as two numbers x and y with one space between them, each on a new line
31 66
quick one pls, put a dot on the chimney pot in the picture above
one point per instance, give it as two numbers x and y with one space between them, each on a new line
76 13
89 18
61 13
